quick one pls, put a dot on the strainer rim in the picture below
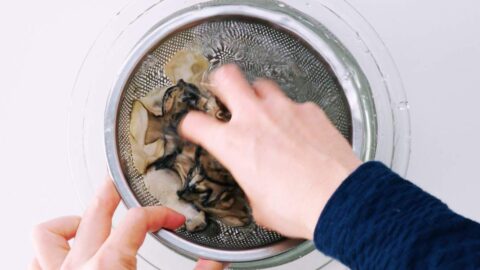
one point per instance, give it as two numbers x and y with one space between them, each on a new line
149 41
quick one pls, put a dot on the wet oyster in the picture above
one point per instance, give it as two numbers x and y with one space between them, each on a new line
177 173
163 185
143 153
188 66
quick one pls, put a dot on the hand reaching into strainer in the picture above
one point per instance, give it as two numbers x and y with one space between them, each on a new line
287 157
303 180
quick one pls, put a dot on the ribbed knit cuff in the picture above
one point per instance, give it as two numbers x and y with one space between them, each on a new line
378 220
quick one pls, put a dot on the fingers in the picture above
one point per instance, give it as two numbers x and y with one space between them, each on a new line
127 238
96 224
209 265
200 128
268 89
230 85
50 241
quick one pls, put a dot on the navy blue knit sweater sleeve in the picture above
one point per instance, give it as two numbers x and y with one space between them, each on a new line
377 220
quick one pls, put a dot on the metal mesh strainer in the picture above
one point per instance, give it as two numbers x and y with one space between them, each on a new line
260 50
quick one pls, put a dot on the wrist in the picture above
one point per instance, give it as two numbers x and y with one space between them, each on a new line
323 189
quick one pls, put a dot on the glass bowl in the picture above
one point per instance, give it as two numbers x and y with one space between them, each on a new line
358 57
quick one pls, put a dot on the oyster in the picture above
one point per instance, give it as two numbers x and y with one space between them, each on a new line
143 154
177 173
163 185
188 66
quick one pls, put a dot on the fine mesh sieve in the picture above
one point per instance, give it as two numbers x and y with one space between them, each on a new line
262 52
262 49
352 49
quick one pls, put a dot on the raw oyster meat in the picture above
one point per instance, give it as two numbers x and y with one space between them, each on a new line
179 174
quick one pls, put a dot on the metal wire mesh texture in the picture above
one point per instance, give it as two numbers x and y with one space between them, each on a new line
261 50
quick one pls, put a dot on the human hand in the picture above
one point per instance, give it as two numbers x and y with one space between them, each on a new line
287 157
96 246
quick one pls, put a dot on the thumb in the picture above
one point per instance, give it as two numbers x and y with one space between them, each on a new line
202 129
209 265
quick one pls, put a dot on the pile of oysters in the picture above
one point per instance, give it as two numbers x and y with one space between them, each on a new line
179 174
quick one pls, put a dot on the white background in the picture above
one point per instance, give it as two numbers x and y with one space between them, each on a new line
435 44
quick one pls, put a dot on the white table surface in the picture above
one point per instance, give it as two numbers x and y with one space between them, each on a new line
435 44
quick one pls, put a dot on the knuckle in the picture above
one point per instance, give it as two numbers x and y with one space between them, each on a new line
38 231
262 83
161 211
138 213
309 106
310 109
